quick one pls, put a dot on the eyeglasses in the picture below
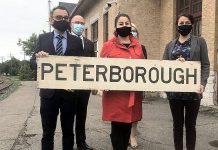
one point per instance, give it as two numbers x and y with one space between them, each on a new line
59 18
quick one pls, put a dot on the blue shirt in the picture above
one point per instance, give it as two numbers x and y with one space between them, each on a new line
64 41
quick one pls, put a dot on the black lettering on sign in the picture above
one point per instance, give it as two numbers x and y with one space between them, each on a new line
101 70
43 71
131 73
75 66
115 72
163 74
181 77
86 72
140 72
58 71
188 75
156 76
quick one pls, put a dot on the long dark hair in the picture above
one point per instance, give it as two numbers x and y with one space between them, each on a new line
118 17
189 16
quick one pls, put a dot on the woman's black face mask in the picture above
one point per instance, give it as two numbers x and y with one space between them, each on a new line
123 31
184 29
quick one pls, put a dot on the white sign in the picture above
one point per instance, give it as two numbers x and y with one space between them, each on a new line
68 72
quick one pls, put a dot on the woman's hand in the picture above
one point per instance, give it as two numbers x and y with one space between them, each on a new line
181 59
201 90
94 92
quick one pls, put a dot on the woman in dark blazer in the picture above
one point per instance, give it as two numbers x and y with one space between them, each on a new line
186 48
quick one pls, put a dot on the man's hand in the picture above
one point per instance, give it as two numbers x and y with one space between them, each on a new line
41 54
69 90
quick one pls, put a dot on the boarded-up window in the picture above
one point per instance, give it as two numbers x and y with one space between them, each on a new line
105 28
193 7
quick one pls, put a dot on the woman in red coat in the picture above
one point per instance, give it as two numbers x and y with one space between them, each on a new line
122 107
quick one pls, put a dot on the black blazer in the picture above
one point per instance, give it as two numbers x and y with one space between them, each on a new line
88 50
45 43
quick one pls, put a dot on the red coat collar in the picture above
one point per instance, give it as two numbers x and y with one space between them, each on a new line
116 41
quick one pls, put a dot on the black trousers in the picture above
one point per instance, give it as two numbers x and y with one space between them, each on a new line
191 108
62 101
120 134
81 113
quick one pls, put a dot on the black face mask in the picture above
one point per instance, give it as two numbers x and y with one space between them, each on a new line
123 31
184 29
61 25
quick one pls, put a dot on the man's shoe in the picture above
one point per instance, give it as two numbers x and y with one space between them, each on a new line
84 146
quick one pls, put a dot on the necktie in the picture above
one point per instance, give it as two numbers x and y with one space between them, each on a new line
81 40
59 48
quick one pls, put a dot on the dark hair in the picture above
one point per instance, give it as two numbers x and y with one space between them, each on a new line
118 17
58 7
189 16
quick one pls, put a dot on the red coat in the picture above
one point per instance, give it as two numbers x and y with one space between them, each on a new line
122 106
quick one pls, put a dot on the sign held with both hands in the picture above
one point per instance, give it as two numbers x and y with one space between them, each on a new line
69 72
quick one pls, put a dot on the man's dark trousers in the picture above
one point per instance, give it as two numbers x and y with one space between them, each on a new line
62 101
81 112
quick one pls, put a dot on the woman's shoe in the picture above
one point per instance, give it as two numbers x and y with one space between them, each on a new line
133 142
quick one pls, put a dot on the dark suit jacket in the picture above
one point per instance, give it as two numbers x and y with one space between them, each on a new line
198 52
88 50
45 43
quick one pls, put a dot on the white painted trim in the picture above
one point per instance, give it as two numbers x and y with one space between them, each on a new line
94 18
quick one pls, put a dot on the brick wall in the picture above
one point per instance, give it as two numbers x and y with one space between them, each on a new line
148 25
209 28
167 23
209 32
216 66
96 12
145 14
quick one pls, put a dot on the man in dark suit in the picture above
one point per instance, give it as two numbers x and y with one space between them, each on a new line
58 42
77 28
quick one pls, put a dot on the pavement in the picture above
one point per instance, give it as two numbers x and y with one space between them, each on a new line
20 124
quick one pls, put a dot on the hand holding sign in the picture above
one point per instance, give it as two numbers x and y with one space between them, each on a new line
41 54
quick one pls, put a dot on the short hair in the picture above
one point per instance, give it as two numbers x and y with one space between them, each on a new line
59 7
118 17
134 26
74 16
189 16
